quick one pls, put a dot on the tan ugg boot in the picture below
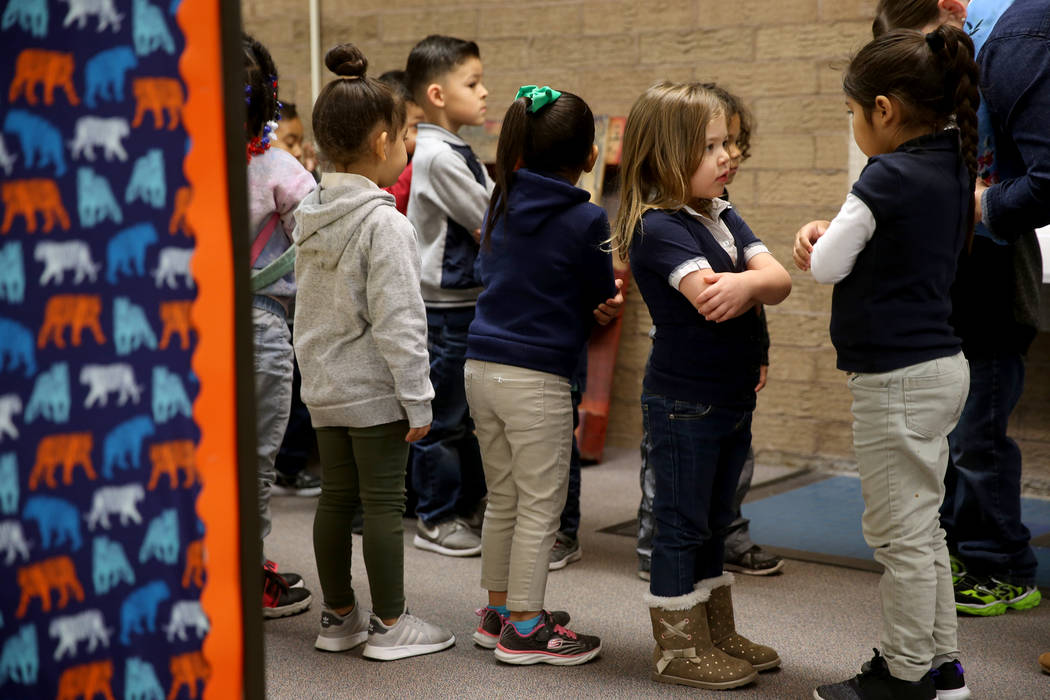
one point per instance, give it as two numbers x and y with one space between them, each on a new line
684 654
723 628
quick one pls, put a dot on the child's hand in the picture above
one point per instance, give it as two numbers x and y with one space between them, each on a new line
477 236
727 296
417 433
610 308
763 373
804 240
978 214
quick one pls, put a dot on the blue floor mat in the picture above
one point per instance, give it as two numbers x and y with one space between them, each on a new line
824 518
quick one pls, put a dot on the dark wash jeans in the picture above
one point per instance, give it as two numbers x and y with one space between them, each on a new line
982 503
696 452
446 464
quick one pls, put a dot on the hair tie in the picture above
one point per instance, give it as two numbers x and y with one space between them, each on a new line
935 40
539 97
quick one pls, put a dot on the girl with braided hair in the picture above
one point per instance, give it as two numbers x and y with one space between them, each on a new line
892 253
276 184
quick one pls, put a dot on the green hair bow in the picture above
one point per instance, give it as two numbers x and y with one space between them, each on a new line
540 97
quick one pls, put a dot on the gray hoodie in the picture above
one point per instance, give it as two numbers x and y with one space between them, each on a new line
360 324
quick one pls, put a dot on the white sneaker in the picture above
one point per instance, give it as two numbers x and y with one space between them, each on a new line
453 538
342 632
409 636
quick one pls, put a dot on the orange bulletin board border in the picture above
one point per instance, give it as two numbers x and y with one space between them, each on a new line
216 169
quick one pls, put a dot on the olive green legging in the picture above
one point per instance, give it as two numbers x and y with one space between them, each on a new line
362 467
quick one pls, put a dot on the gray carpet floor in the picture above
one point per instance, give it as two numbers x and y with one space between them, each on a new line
824 621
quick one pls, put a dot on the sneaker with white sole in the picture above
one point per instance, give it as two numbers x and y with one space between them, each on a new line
949 681
453 538
302 484
409 636
342 632
281 600
565 551
548 643
491 625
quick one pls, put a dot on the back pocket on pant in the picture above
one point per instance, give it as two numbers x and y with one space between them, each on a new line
520 401
931 404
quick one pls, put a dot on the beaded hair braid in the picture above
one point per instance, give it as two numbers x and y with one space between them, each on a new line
262 108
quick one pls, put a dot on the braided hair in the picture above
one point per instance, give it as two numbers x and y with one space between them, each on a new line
933 76
260 92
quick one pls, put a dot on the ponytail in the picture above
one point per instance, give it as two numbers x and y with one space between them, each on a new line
508 156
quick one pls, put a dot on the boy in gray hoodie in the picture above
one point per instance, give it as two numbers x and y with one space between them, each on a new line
360 336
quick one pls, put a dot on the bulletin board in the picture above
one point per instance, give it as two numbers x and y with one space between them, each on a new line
120 498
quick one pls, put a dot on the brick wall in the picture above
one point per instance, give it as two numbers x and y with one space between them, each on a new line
784 58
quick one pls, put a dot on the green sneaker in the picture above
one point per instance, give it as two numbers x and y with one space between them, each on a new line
1024 597
958 568
975 596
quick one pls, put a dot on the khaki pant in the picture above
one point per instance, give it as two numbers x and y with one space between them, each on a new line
901 421
524 428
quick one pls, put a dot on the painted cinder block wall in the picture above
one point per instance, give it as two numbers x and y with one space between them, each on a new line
783 57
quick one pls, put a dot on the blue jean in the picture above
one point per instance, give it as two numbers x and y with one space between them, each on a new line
696 454
982 505
446 464
570 514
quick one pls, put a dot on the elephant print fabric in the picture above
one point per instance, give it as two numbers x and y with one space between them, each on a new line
100 543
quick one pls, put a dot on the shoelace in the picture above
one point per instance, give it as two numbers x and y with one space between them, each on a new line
677 630
558 629
273 579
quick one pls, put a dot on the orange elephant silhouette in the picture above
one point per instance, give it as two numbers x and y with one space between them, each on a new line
157 96
85 681
39 579
176 318
194 571
75 311
168 458
27 198
178 220
67 451
52 69
186 670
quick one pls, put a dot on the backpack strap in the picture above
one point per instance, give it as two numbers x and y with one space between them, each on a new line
265 234
280 267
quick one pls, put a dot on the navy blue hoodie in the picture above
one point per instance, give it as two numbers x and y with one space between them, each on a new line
544 273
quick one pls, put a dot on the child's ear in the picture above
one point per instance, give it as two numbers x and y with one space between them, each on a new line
436 94
379 145
592 159
885 110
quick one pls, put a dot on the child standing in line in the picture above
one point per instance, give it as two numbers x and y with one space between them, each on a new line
395 80
542 243
701 271
892 253
450 191
360 335
276 184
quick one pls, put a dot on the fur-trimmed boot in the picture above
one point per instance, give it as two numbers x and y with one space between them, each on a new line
723 628
684 654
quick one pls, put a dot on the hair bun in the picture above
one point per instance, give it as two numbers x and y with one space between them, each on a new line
346 61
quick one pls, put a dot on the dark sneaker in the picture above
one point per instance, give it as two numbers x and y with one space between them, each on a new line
643 567
409 636
949 681
755 562
565 551
548 643
302 484
875 683
293 580
491 625
1016 597
342 632
477 519
958 568
281 600
977 596
453 538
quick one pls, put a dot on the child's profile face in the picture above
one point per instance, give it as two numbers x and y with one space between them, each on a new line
863 129
290 137
396 158
465 94
709 180
735 154
413 115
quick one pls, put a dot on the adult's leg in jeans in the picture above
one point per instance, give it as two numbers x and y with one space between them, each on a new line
340 499
273 394
437 464
982 507
901 422
738 538
380 452
570 514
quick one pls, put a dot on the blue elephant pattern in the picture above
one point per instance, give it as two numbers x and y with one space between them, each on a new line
77 294
41 141
50 399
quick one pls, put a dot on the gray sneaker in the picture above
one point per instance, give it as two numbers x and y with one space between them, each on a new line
342 632
409 636
565 551
453 538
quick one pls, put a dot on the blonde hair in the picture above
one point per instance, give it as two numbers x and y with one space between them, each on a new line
663 145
